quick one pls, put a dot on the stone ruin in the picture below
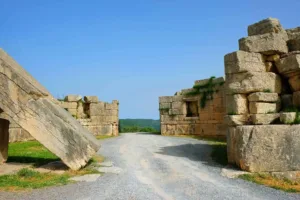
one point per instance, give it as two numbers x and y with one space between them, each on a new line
196 111
98 117
259 102
28 104
262 97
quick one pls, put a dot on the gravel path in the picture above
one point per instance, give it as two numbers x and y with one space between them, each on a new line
155 167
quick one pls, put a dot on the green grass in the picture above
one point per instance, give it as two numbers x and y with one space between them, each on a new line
30 152
273 182
30 179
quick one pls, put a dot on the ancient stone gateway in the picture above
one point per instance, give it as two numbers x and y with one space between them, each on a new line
262 97
33 108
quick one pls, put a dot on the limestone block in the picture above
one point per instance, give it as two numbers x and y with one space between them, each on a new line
286 101
249 82
177 112
269 25
97 108
96 120
287 117
268 44
91 99
69 105
293 33
106 129
241 61
35 110
73 98
294 82
235 120
265 148
177 98
263 108
259 119
273 58
263 97
163 106
294 44
165 99
237 104
289 66
296 99
111 112
111 106
178 105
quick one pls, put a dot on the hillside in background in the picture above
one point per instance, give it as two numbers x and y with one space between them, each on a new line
136 125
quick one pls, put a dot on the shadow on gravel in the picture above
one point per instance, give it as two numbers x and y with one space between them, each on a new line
209 154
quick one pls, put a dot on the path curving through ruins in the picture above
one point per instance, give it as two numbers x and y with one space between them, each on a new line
154 167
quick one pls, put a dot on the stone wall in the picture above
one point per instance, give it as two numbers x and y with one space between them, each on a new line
262 99
185 114
98 117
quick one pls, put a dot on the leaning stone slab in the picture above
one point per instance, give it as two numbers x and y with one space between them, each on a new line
263 108
237 104
249 82
269 25
91 99
287 117
242 61
267 44
265 148
33 108
263 97
289 66
260 119
73 98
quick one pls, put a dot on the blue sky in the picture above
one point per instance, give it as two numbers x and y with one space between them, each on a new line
132 51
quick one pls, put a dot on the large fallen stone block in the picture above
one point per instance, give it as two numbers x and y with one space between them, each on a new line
259 119
269 25
264 148
263 97
241 61
267 44
249 82
33 108
263 108
237 104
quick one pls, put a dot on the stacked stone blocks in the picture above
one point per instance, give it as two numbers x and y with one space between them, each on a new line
262 83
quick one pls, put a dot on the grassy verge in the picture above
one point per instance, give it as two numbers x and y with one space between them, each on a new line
36 154
103 137
273 182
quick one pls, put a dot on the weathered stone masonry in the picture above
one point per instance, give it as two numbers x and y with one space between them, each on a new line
262 95
183 114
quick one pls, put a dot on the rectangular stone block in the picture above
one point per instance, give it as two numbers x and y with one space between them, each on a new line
267 44
165 99
163 106
289 66
177 112
73 98
68 105
236 120
111 106
260 119
97 120
296 99
237 104
91 99
269 25
177 98
249 82
263 108
178 105
101 129
97 108
241 61
287 117
263 97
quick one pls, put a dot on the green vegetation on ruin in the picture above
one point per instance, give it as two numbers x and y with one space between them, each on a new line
206 90
139 125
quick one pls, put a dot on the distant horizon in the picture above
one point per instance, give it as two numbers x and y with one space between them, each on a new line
130 51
